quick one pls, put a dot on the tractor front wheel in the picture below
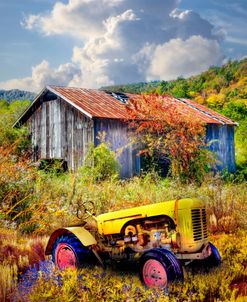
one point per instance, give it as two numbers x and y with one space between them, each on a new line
159 267
214 259
68 252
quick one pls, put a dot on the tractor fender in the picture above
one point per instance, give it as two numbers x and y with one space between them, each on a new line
86 238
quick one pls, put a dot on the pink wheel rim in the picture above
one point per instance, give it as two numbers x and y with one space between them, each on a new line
154 274
65 257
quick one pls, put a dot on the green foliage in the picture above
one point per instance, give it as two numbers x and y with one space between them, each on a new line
198 168
178 89
54 167
236 110
16 186
133 88
100 163
16 139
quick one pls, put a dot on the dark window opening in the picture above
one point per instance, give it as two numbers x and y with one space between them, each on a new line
56 166
120 96
158 163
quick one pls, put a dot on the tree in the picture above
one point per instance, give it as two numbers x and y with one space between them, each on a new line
160 126
17 139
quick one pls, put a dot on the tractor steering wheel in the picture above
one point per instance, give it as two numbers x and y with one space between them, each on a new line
85 209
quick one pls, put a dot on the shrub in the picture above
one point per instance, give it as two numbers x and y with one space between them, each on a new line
100 163
162 128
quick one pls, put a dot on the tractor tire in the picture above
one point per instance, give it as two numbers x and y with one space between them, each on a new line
68 252
159 267
214 259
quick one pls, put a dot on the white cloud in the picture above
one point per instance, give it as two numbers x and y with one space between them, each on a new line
183 58
81 19
121 41
42 75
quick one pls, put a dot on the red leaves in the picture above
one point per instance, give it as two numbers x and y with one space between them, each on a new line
162 123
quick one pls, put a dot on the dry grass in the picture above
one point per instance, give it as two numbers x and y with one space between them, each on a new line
52 202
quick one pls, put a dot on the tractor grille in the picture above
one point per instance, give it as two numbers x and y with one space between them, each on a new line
199 224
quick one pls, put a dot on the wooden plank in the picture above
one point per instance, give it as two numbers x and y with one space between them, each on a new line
43 130
221 141
47 138
118 136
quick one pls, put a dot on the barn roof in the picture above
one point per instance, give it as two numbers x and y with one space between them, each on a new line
101 104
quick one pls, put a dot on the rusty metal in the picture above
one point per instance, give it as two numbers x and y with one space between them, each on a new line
104 105
101 104
95 103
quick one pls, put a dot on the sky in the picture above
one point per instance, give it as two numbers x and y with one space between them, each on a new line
94 43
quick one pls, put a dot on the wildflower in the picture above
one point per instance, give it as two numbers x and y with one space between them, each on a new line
166 291
124 288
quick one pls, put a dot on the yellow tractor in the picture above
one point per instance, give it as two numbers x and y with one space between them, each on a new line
161 237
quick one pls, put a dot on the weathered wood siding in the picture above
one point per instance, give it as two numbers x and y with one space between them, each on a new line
59 131
118 135
222 144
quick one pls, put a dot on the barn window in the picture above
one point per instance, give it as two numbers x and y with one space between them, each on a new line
119 96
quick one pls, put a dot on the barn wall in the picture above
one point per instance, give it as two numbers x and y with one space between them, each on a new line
117 134
60 132
222 143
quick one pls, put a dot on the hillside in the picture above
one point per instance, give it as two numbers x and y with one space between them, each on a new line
215 87
16 94
133 88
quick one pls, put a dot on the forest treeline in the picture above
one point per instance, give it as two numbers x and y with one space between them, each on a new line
16 94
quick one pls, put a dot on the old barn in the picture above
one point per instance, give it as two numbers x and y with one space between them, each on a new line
64 121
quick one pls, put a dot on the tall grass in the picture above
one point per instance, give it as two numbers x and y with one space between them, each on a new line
8 280
36 203
225 283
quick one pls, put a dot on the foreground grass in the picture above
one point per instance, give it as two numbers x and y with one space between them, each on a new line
38 207
26 276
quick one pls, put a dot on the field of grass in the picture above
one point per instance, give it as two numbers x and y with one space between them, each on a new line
26 275
42 282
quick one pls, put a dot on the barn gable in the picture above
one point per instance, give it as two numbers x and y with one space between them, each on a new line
64 121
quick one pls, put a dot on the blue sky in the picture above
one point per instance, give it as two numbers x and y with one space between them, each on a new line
91 43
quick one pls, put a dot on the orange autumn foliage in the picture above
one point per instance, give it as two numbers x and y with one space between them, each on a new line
161 126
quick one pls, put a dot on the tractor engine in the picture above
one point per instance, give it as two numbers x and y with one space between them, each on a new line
177 225
140 235
150 233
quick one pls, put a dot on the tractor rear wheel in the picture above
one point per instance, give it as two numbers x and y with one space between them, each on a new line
159 267
68 252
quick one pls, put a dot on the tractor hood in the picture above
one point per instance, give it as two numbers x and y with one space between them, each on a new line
113 222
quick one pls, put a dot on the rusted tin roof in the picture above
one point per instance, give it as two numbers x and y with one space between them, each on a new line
94 103
100 104
203 113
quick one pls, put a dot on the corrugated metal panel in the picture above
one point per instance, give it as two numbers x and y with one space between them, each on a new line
208 113
94 103
100 104
193 110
